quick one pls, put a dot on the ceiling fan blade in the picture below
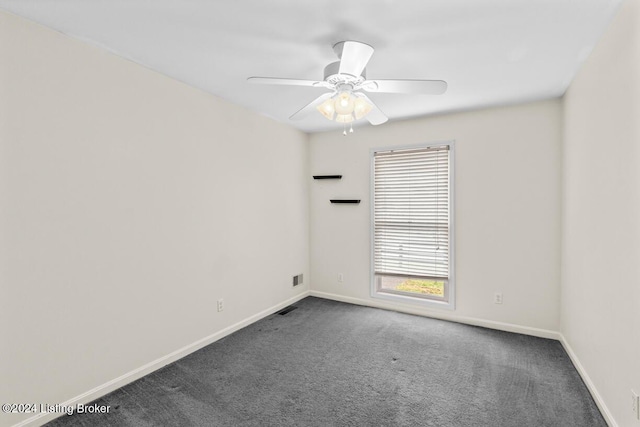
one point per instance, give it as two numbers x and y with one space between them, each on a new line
431 87
354 56
304 111
288 82
375 116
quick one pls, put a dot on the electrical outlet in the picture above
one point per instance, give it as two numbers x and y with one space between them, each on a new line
340 278
220 304
497 298
635 404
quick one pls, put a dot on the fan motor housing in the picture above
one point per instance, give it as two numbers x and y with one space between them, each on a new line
332 76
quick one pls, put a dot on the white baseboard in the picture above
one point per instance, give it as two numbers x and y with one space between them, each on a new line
421 311
604 410
140 372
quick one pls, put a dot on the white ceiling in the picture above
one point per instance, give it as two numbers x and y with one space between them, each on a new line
491 52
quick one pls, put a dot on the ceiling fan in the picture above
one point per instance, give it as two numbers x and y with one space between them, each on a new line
346 79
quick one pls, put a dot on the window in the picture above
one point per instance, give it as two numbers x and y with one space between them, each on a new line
411 253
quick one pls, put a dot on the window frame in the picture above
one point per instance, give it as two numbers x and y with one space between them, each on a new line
450 287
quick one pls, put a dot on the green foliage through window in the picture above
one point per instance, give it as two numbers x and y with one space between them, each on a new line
429 287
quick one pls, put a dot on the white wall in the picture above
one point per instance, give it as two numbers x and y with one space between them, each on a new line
507 210
601 215
129 203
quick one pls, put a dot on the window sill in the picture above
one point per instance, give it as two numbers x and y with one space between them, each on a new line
416 301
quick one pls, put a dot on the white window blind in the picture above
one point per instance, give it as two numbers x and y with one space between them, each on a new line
411 212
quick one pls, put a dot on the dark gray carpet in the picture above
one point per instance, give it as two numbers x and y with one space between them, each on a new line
334 364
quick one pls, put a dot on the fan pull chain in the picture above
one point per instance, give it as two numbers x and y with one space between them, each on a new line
344 128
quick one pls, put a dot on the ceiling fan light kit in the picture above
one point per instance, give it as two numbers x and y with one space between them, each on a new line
344 107
346 79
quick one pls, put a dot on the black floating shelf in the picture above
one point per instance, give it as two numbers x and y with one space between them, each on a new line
327 176
352 201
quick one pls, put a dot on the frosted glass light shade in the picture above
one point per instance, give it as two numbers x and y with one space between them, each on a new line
361 108
344 118
327 108
344 103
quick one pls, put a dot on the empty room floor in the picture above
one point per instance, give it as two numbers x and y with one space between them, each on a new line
330 363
